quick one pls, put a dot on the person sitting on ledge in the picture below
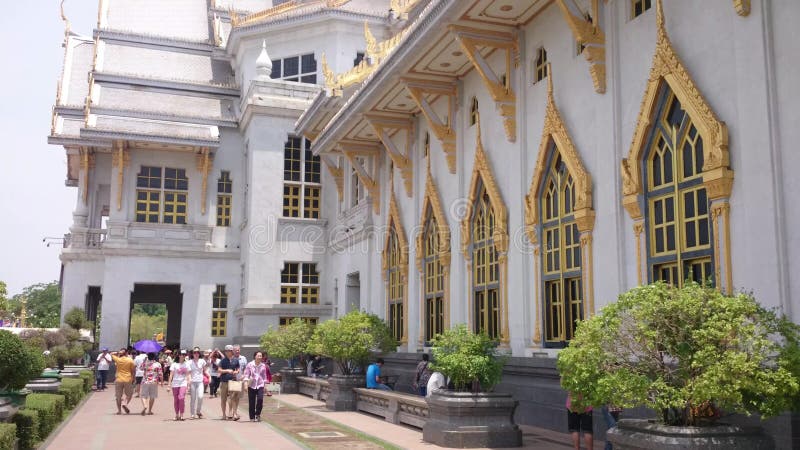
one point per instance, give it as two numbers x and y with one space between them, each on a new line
374 376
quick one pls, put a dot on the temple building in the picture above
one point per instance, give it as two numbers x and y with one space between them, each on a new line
509 164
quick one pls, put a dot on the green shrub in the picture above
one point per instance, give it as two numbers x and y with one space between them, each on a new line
76 318
88 379
288 342
18 362
351 339
27 421
50 409
72 390
687 353
8 435
468 359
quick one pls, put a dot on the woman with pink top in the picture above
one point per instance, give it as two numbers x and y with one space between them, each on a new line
256 375
579 421
179 382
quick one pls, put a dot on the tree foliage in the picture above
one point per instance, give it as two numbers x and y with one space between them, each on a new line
289 341
350 340
467 358
42 305
18 362
687 352
76 318
144 326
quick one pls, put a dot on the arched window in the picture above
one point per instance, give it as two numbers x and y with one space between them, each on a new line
433 278
224 197
540 65
561 253
679 238
485 266
395 284
473 112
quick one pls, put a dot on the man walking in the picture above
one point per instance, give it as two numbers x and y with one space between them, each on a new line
103 362
229 371
123 384
153 377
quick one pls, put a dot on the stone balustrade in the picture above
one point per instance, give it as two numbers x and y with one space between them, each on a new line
316 388
393 406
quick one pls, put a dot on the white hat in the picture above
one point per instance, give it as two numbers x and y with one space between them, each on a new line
228 347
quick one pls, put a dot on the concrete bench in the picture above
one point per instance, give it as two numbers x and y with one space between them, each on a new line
393 406
316 388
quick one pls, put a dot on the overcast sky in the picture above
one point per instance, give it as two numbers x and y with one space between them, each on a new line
34 203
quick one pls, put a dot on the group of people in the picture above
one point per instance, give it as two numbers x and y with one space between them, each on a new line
224 374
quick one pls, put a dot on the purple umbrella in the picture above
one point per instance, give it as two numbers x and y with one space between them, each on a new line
147 346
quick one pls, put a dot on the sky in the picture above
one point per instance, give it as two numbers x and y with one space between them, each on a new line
34 203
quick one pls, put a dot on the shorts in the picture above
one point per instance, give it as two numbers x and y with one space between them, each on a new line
138 381
223 392
577 422
149 390
123 387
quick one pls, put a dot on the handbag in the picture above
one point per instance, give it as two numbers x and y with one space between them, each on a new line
234 386
206 379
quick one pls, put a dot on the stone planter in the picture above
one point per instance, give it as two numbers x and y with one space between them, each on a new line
467 420
289 380
44 384
7 409
17 397
636 434
342 396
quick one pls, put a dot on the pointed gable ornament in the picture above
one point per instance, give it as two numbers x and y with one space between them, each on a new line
263 64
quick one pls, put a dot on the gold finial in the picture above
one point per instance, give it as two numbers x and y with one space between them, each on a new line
372 43
67 26
478 125
660 24
330 76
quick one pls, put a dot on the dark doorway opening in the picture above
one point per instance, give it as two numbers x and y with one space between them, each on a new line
169 295
353 292
92 305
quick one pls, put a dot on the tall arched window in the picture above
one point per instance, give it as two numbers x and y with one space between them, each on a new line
433 278
486 270
395 284
561 253
677 206
540 65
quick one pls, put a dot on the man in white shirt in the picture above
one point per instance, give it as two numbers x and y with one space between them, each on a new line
242 361
103 362
139 361
435 383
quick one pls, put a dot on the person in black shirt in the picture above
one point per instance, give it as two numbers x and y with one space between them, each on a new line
228 369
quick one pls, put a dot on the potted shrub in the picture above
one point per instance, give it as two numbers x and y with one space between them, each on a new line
471 415
689 354
288 342
350 342
19 363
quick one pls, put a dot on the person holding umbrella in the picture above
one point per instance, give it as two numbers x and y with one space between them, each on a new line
153 377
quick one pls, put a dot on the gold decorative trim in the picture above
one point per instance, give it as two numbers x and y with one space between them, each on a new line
87 164
204 165
638 229
591 37
587 253
555 130
500 90
717 175
431 202
376 52
482 173
393 221
667 67
401 158
537 328
442 129
720 219
119 160
337 173
742 7
402 7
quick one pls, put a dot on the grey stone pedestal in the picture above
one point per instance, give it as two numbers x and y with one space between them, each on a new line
7 409
289 380
44 385
636 434
342 397
467 420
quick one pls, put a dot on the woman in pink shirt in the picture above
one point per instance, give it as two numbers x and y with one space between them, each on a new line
256 374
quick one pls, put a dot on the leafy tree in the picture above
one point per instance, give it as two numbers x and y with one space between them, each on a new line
687 352
42 305
350 340
467 358
144 326
76 318
5 305
18 362
288 342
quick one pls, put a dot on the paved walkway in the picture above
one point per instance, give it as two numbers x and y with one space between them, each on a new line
289 422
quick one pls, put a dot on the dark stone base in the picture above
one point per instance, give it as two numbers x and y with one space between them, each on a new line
342 397
466 420
289 380
636 434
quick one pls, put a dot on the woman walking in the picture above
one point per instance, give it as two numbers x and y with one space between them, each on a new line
256 375
215 359
178 380
198 368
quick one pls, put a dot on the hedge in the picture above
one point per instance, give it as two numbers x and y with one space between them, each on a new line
88 379
50 408
72 390
8 436
27 421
